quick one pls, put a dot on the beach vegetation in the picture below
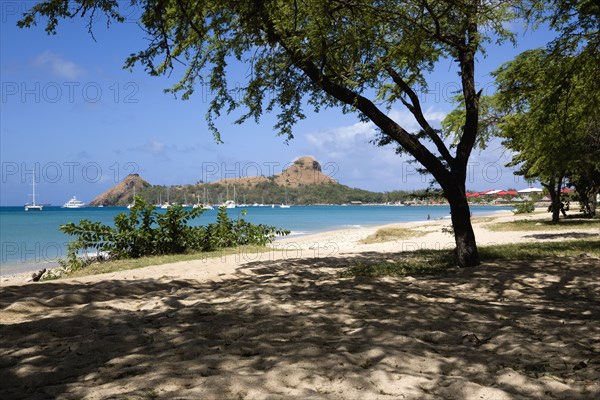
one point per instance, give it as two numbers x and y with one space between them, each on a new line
439 262
391 234
144 231
420 262
361 57
526 207
539 225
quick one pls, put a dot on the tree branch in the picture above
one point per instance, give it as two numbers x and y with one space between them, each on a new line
417 111
367 107
466 57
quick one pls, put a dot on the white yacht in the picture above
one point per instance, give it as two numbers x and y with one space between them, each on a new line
74 203
206 204
33 205
230 203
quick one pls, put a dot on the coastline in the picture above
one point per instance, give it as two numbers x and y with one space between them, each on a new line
285 324
330 243
25 254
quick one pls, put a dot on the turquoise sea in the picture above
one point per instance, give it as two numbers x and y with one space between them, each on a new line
31 240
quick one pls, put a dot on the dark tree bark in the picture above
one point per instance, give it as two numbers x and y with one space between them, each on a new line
553 187
467 254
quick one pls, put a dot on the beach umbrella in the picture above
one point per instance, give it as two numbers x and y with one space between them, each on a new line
530 190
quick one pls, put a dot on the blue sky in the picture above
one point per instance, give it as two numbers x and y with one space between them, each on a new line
69 111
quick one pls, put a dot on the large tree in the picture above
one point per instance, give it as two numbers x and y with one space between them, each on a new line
547 106
361 55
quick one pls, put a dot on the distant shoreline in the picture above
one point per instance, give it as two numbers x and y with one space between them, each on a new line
23 271
510 204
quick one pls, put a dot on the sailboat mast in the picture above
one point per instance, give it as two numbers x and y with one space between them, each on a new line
33 186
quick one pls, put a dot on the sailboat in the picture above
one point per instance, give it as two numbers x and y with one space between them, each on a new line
285 204
185 203
33 205
167 204
132 204
230 203
206 203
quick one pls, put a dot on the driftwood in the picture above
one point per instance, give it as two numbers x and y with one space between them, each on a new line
36 276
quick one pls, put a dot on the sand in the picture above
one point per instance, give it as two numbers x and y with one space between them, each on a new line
284 325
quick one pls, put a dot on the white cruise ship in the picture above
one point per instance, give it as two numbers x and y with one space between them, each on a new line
74 203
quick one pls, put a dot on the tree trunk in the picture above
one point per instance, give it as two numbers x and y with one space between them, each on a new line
554 190
466 247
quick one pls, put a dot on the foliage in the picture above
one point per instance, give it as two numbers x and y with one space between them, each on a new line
271 193
525 207
362 56
547 105
146 232
552 108
453 122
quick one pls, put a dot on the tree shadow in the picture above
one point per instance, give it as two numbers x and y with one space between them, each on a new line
294 329
562 235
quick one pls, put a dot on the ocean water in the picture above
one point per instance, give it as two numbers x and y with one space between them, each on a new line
32 240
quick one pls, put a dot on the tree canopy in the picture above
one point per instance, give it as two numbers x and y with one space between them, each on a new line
551 117
547 104
362 56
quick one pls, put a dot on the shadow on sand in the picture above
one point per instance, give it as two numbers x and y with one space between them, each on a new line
562 235
294 329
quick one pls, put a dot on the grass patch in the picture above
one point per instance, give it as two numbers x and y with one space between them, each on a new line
537 225
537 250
438 262
420 262
390 234
135 263
481 220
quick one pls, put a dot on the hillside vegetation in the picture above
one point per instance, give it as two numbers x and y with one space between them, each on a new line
303 183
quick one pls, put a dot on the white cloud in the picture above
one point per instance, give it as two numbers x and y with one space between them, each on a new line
337 142
342 142
362 164
152 146
58 66
406 120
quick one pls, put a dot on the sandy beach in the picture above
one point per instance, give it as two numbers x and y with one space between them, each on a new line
284 325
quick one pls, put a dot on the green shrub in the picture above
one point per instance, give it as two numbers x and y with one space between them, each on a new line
524 208
146 232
